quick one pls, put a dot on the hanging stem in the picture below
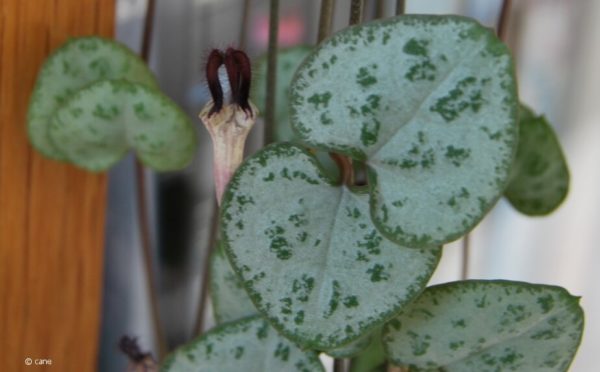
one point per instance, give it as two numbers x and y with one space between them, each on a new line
466 250
380 9
144 233
502 26
356 12
400 7
212 242
148 29
271 71
344 164
338 365
244 23
142 211
325 19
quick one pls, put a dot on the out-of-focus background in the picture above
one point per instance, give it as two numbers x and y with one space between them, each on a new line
557 52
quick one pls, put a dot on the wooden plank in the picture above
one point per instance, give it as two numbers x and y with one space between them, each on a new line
51 214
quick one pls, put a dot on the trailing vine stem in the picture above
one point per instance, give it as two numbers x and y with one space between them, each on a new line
244 24
356 12
144 234
204 287
339 365
148 30
502 26
271 71
400 7
465 258
142 211
325 19
380 9
344 164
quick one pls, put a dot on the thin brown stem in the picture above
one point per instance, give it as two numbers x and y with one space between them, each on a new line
244 23
271 71
325 19
144 233
142 212
466 250
379 9
339 365
204 285
502 26
344 164
400 7
148 30
356 12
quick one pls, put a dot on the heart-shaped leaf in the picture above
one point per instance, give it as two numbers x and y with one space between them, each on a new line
539 177
288 60
229 298
308 253
77 63
246 345
98 125
429 103
487 326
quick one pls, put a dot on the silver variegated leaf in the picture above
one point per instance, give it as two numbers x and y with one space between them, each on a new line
429 103
97 125
484 326
77 63
308 253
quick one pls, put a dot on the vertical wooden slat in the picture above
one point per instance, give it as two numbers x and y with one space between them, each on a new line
51 214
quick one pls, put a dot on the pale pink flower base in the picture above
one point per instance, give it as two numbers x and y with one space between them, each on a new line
228 129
